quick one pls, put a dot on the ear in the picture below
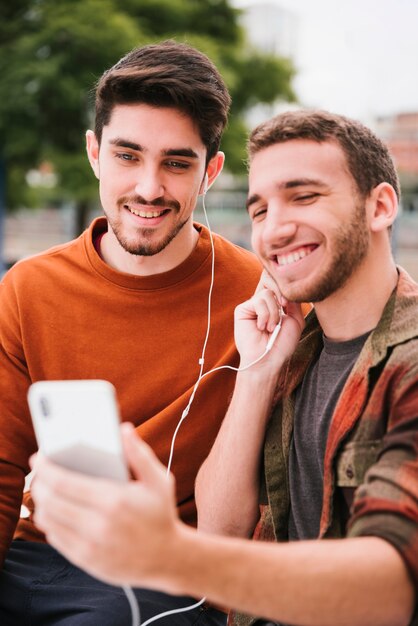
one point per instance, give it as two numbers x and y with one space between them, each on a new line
214 168
383 207
92 147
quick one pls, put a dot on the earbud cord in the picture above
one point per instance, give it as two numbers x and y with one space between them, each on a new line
216 369
269 345
202 356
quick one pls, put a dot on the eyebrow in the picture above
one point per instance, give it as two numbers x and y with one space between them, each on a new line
289 184
125 143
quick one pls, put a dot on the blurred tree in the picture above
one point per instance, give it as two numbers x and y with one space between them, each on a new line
53 51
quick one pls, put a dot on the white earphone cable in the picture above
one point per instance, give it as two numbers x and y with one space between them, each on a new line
202 356
134 605
173 611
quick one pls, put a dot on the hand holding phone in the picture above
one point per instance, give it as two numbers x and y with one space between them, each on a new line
76 425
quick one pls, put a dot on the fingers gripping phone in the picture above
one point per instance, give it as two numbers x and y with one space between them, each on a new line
76 425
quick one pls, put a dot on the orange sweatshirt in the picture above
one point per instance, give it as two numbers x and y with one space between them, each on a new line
65 314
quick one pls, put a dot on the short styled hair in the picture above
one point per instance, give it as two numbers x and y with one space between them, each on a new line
167 74
368 158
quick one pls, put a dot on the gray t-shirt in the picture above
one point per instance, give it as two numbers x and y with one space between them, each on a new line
316 399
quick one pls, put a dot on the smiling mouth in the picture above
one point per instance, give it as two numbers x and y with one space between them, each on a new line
146 214
293 257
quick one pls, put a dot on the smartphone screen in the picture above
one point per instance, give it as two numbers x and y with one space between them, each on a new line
76 424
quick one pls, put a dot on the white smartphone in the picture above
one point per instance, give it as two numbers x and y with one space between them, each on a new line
76 425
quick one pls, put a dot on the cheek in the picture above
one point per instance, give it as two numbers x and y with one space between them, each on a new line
104 190
113 184
256 239
186 199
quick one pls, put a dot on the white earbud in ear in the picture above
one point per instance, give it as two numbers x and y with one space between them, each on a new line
205 184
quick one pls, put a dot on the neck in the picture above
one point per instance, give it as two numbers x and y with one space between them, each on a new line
170 257
357 307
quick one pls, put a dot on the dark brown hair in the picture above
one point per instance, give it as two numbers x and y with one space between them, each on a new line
368 159
167 74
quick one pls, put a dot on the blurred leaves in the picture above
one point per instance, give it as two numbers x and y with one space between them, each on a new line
53 51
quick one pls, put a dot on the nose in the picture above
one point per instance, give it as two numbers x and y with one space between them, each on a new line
149 185
279 227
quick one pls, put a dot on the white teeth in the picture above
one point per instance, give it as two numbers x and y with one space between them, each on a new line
147 214
292 257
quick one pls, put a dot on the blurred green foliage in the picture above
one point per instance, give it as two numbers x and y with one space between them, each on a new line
53 51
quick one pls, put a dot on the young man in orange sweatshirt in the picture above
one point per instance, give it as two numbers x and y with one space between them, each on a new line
126 302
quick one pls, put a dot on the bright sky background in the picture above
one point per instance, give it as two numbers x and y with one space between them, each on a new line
355 57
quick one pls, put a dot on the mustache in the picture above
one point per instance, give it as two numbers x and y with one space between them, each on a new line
157 202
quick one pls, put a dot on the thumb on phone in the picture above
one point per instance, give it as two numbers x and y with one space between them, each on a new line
141 459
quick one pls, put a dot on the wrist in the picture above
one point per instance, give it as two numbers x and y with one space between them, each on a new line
254 385
258 376
174 575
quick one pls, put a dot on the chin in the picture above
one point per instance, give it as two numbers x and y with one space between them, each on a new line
297 293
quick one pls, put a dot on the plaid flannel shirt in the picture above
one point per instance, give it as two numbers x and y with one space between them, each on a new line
371 457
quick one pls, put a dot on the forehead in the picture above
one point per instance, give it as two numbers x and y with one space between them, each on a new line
158 127
298 159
